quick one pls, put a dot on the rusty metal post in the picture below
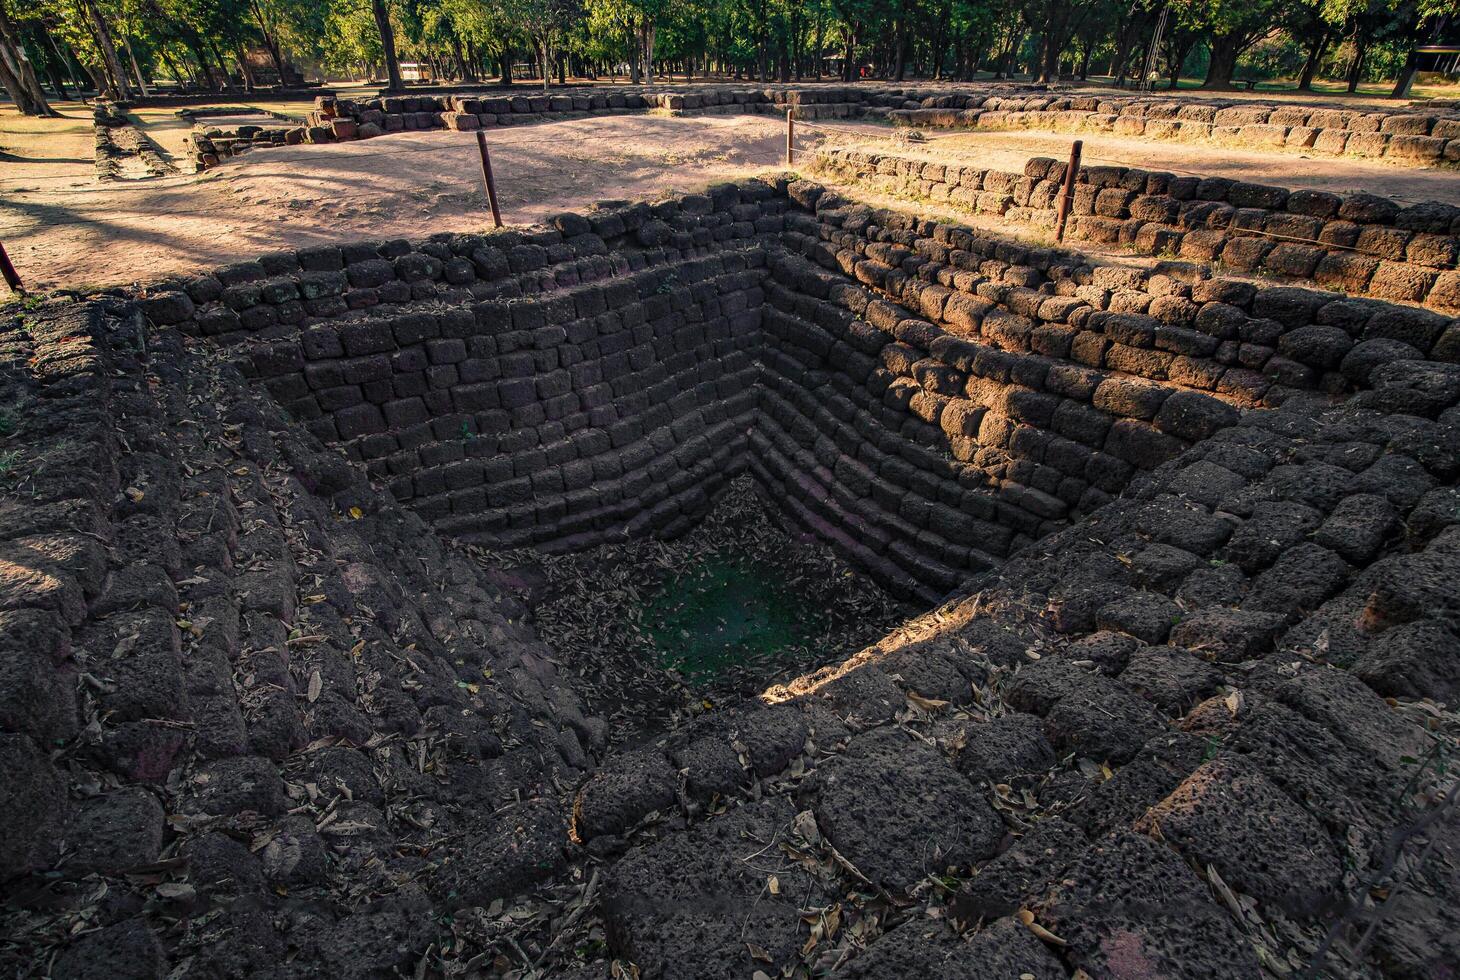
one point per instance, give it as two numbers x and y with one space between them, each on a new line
1067 193
12 278
487 177
790 135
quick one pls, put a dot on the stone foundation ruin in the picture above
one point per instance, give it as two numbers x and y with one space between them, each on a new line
1354 243
1179 536
1422 135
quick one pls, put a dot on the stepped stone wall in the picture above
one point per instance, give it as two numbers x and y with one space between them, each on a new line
1415 136
212 628
258 720
1356 243
928 399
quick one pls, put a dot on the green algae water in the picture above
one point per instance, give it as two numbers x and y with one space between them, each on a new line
654 633
725 611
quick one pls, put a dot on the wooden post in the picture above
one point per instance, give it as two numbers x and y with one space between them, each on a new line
487 177
12 278
1067 193
790 135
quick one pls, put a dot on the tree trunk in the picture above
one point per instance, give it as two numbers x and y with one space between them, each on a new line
1006 57
270 43
818 43
504 64
193 43
646 39
98 78
1405 80
1176 58
172 66
17 75
136 69
1356 67
10 82
460 57
245 69
387 45
1125 43
112 64
1310 66
53 72
222 64
1053 48
899 43
940 44
70 63
1411 62
1226 48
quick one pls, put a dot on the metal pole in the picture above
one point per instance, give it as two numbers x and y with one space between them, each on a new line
487 177
1067 193
12 278
1153 52
790 135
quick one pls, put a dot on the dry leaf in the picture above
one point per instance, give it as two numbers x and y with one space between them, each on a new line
1027 917
1234 703
805 827
927 704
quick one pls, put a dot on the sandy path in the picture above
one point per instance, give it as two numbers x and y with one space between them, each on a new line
50 148
62 228
404 185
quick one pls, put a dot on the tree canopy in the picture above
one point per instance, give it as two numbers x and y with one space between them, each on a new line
122 47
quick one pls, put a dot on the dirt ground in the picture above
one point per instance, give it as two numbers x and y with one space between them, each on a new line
64 229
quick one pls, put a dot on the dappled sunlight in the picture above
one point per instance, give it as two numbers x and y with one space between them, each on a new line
385 187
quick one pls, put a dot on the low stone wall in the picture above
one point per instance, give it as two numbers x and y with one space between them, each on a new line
116 140
209 143
342 120
1356 243
1413 137
372 117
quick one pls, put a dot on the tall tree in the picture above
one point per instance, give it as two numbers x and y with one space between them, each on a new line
381 11
17 74
1231 28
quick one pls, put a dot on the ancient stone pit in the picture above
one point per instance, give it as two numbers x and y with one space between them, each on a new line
1172 538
